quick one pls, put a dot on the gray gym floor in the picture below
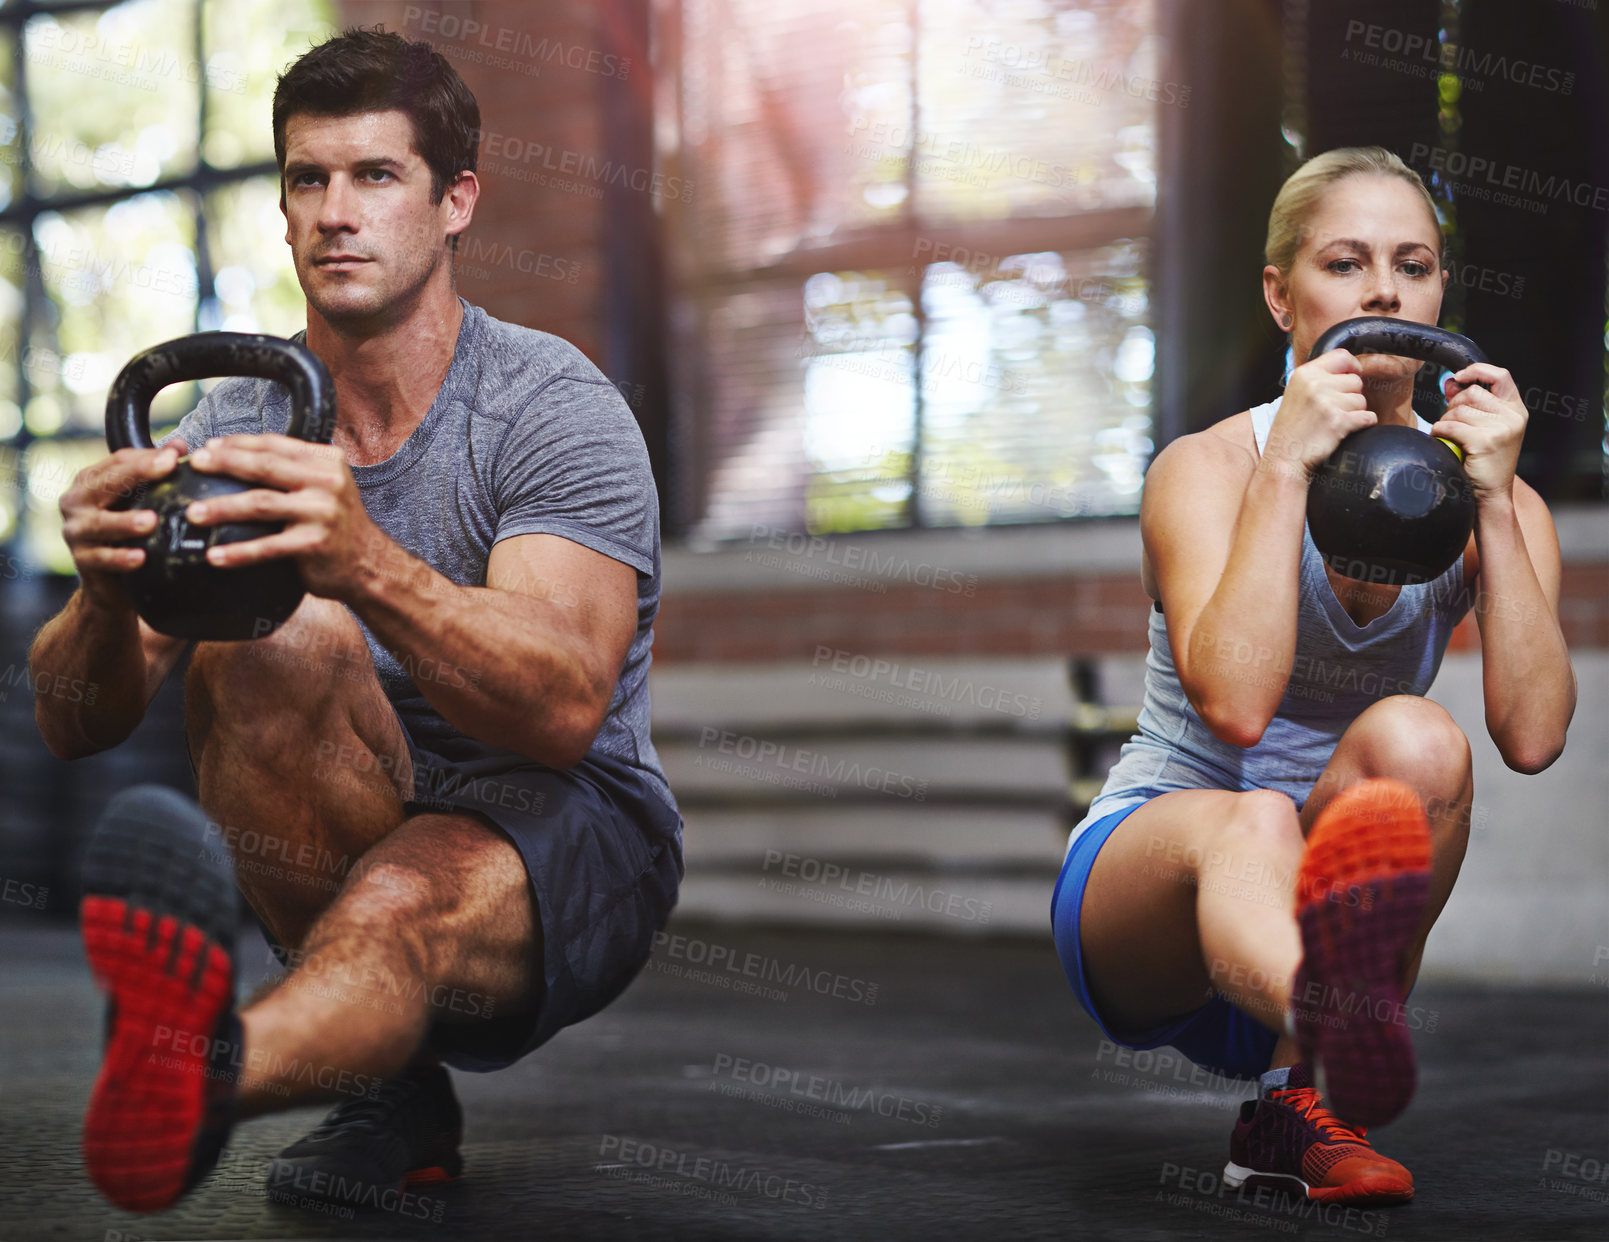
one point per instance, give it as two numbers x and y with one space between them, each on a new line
969 1099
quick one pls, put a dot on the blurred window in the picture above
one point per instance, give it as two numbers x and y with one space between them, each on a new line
139 201
910 249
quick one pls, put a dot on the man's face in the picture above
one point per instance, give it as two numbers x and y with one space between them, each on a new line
363 232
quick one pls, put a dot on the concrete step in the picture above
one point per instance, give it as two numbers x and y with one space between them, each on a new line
898 900
841 688
729 765
906 835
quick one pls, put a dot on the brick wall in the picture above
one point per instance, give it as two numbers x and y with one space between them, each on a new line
534 253
1082 614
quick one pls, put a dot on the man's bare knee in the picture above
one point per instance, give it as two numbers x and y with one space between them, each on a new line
306 697
317 650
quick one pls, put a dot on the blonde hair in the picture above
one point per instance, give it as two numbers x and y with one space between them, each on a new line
1299 197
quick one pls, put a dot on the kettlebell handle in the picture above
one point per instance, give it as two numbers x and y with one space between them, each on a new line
207 354
1379 334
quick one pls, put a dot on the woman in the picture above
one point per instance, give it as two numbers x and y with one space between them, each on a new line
1255 882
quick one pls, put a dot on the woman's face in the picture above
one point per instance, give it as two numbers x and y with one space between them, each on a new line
1370 248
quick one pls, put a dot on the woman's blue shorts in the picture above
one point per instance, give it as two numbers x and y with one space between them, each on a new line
1218 1036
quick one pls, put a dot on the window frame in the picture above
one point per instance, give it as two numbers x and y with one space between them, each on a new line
23 212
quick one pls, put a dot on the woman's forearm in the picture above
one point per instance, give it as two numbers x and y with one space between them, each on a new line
1243 642
1528 682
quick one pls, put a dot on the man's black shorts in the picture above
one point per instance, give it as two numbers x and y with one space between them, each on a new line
604 856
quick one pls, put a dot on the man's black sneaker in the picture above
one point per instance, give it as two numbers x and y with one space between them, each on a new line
370 1149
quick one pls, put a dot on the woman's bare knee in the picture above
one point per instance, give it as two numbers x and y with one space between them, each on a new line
1260 833
1411 739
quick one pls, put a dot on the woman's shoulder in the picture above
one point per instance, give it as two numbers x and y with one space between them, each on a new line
1229 446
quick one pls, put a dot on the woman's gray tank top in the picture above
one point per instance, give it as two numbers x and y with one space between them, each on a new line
1339 669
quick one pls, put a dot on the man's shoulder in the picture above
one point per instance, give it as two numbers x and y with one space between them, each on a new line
517 361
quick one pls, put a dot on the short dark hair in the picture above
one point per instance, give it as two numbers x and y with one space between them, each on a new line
375 70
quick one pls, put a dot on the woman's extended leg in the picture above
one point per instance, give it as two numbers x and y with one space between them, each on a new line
1194 891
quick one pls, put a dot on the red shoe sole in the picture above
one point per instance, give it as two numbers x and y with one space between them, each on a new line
168 984
1360 899
1375 1192
429 1177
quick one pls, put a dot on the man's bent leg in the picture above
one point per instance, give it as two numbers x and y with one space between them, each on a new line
440 911
300 761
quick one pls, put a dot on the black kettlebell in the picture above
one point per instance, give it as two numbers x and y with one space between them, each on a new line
175 589
1391 504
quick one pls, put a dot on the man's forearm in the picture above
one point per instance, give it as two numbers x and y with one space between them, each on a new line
482 657
96 649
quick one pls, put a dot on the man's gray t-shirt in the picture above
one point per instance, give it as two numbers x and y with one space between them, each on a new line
525 437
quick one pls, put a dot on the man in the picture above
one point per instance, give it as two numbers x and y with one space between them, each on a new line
435 782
